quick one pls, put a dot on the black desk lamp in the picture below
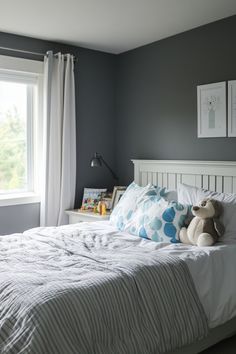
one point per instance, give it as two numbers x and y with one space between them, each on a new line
97 161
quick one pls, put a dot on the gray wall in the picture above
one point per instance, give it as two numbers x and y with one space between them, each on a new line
140 104
18 218
94 79
156 102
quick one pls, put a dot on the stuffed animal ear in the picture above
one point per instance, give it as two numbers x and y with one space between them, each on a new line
218 207
219 227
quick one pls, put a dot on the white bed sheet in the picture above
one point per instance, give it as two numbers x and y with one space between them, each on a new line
213 270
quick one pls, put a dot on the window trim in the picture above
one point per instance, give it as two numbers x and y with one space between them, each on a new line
30 138
19 198
21 69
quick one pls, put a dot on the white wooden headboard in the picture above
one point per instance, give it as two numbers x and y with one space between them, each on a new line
217 176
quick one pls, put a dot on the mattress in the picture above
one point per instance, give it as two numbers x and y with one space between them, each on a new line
213 273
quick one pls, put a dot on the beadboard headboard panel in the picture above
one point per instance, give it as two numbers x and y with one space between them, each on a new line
219 176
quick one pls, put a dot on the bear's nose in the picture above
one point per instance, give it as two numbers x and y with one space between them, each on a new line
196 208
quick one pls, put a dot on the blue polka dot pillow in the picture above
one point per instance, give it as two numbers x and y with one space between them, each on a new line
125 209
157 219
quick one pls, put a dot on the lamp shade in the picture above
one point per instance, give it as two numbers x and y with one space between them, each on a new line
96 160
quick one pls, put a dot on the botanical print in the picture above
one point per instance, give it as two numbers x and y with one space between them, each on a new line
212 110
232 108
212 104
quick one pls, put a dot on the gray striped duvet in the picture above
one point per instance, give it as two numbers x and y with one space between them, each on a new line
67 290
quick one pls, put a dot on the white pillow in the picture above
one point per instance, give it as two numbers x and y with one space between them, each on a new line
192 195
170 195
124 210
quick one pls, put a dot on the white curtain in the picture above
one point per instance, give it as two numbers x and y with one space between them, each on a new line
59 152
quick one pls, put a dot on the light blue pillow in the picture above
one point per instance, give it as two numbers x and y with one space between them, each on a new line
125 209
157 219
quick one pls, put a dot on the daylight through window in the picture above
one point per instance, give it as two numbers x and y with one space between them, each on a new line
20 109
15 122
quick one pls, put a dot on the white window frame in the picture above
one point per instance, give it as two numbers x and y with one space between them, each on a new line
31 71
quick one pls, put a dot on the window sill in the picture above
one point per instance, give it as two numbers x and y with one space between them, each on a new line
17 199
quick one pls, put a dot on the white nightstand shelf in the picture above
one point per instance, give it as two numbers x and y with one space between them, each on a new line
77 215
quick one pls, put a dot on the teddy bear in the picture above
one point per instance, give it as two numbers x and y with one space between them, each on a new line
205 227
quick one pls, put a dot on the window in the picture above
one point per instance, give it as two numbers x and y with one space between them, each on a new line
20 107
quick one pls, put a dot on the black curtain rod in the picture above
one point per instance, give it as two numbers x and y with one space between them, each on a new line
29 52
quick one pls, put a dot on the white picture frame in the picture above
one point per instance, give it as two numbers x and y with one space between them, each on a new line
211 107
91 197
232 108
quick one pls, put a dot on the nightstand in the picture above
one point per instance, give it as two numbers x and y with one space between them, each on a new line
77 215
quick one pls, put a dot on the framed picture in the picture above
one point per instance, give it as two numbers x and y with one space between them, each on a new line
91 198
118 191
211 109
107 198
232 108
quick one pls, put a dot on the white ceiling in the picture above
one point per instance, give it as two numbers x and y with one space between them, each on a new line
112 26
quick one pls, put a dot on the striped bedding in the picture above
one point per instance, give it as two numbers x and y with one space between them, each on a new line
68 290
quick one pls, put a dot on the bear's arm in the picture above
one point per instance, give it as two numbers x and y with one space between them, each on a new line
209 227
219 227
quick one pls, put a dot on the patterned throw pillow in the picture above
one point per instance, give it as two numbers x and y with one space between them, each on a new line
125 209
157 219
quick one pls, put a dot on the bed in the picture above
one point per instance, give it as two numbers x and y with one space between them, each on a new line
88 288
219 176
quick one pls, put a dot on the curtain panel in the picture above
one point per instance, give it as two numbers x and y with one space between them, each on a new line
59 139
